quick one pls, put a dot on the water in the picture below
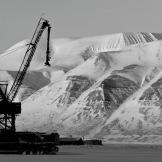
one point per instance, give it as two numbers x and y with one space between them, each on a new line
106 153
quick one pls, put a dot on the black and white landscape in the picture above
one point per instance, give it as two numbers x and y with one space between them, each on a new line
106 87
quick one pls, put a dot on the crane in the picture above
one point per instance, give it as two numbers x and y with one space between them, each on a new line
8 108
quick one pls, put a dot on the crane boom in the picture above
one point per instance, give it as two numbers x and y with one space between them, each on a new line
42 25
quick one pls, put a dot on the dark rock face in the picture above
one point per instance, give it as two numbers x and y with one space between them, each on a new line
132 38
34 80
158 36
116 90
154 92
147 116
87 53
78 85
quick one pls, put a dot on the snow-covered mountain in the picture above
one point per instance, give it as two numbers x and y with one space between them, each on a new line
98 87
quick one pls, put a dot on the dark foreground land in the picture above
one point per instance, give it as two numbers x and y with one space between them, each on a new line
105 153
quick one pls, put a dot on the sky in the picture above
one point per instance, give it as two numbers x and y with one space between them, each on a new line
77 18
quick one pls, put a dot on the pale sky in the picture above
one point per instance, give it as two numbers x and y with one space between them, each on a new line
77 18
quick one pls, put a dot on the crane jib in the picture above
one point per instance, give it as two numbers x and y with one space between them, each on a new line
42 25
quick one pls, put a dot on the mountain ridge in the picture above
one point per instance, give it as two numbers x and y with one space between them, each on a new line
96 87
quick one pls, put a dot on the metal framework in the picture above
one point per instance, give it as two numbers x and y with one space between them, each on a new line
42 24
9 109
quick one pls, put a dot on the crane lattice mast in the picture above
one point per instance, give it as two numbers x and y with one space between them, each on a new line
42 24
8 108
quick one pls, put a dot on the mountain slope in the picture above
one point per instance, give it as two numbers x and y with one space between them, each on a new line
139 116
100 87
85 100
